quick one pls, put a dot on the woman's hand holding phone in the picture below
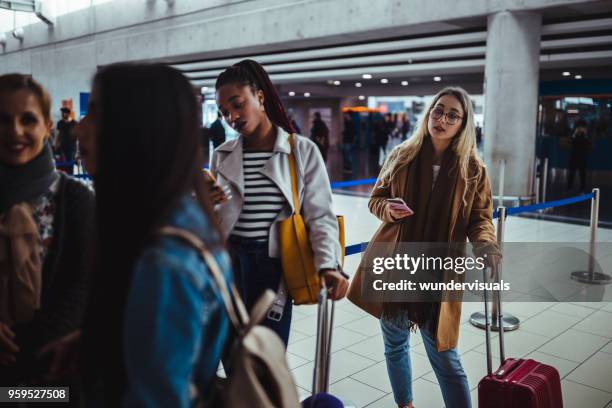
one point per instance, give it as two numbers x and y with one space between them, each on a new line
218 195
398 208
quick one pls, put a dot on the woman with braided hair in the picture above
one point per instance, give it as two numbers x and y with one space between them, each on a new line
255 169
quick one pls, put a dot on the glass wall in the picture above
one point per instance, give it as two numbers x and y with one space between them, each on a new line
558 116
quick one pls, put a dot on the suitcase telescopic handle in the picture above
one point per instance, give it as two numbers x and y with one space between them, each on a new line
325 322
498 311
497 307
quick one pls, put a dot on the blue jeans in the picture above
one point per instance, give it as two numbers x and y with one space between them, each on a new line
446 365
255 272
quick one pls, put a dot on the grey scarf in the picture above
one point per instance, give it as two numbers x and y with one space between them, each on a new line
26 182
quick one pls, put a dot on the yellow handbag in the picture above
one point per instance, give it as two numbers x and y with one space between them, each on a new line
301 277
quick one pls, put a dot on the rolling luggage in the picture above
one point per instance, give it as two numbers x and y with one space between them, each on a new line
320 380
517 383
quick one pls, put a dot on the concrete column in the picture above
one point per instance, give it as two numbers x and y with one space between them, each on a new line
511 98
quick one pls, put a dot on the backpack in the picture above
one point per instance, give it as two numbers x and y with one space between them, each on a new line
259 376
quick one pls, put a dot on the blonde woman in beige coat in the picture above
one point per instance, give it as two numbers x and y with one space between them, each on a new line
438 174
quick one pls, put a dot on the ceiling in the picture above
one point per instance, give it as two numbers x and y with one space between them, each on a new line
573 39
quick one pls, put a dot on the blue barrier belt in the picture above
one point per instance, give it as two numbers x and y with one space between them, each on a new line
548 204
354 249
357 248
352 183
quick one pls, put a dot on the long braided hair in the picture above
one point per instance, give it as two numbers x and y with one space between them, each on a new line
249 72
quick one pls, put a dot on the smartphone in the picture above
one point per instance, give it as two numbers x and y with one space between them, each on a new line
210 176
401 204
396 201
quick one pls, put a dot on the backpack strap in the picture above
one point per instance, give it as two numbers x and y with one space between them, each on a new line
238 315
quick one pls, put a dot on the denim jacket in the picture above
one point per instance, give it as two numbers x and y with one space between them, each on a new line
175 324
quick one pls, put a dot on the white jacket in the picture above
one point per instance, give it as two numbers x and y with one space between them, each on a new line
314 193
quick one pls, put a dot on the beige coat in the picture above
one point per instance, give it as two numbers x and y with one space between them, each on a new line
470 220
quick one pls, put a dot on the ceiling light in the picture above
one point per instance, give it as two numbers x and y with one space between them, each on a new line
366 76
437 79
358 84
336 82
404 83
291 93
578 77
566 73
204 89
361 97
307 94
384 81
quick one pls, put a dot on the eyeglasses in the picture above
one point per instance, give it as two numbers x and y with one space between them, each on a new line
451 117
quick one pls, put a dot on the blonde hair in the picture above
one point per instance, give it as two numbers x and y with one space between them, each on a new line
463 143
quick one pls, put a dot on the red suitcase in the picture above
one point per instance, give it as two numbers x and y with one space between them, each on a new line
517 383
521 383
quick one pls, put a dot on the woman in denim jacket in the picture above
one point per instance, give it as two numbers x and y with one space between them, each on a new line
156 324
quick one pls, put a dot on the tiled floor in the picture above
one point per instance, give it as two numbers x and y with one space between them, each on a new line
576 338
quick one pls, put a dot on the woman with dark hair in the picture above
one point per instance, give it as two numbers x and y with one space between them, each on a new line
156 323
255 169
45 219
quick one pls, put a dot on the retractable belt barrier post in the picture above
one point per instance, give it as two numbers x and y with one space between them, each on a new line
590 276
508 321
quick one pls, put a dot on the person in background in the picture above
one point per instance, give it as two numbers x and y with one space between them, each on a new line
375 122
385 133
348 139
580 146
46 219
405 126
217 131
294 123
156 325
204 131
478 135
255 169
319 134
67 139
447 195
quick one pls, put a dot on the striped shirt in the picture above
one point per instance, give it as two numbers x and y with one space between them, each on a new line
263 200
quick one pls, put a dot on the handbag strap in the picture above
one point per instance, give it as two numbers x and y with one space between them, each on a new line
239 319
292 170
